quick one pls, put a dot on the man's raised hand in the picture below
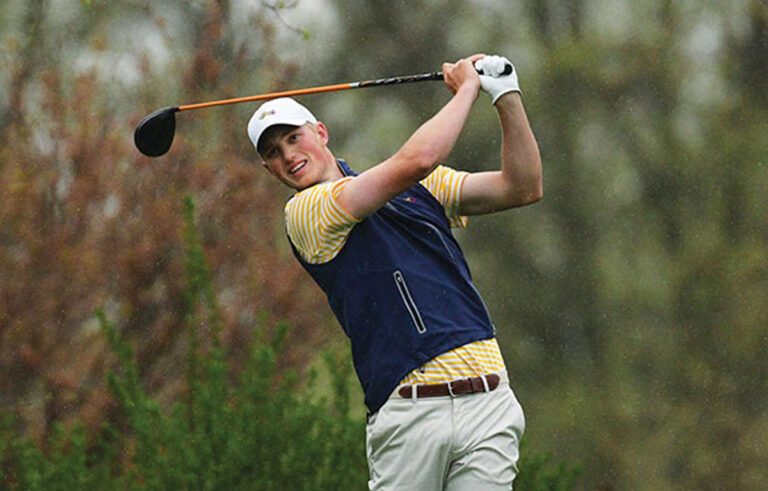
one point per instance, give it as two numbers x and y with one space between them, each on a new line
493 80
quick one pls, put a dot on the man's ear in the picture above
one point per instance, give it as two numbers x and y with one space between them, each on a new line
264 164
322 131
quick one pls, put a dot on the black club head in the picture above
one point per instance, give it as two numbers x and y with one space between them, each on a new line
154 135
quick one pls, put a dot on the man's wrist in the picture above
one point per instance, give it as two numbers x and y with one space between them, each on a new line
469 90
509 100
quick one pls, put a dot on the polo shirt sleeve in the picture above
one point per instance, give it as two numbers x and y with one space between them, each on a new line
317 226
445 185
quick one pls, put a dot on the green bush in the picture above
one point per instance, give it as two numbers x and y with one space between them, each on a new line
539 473
257 432
254 434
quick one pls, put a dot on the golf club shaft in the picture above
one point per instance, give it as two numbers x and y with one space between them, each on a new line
314 90
154 134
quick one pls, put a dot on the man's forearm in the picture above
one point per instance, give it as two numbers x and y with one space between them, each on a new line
434 140
520 159
415 160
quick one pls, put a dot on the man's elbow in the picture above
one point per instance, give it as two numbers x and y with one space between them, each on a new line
536 193
528 198
526 194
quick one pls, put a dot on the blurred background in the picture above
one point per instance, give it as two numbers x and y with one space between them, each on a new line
631 302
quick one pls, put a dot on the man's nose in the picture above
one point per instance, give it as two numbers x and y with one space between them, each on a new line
289 153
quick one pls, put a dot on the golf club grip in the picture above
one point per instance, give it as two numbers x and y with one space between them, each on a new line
416 78
400 80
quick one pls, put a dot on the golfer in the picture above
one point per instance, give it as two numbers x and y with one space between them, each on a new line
379 244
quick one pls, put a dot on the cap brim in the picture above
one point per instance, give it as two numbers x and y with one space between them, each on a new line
289 122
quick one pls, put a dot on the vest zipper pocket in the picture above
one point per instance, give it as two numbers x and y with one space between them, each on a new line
410 305
453 258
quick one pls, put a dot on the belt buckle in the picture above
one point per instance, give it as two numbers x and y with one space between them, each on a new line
450 389
485 383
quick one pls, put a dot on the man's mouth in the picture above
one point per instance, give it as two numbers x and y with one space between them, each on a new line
297 167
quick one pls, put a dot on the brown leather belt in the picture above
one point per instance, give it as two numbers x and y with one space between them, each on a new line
454 388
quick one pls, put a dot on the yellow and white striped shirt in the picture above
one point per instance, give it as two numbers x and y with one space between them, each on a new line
318 227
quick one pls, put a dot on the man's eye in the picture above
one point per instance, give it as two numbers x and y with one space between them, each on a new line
293 138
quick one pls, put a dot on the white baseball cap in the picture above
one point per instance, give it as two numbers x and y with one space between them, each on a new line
277 111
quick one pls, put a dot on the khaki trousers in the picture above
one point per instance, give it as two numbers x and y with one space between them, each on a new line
466 442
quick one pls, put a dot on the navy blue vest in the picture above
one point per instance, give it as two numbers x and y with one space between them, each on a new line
402 291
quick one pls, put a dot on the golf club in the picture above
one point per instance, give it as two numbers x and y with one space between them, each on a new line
154 134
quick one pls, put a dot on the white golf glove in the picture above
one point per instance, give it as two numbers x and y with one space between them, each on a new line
493 80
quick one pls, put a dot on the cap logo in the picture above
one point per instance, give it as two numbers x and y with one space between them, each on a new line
266 114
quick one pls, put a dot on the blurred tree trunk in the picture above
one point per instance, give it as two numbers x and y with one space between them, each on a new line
32 45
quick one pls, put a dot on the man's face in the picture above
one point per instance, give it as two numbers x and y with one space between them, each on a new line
299 157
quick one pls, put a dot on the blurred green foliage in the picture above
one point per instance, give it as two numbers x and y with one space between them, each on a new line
631 302
255 432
